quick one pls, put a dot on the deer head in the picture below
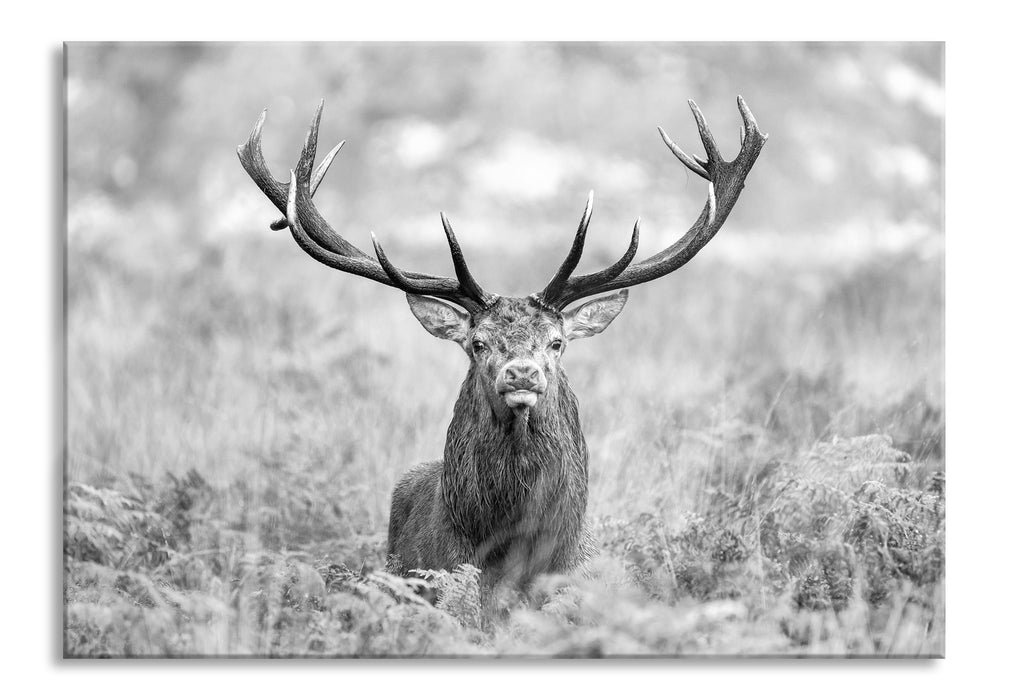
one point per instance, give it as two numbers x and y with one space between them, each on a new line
514 343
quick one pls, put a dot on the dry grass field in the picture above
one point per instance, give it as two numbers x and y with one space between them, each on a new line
765 426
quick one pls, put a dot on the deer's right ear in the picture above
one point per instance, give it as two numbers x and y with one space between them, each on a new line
439 319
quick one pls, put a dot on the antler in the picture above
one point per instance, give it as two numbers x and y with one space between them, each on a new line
317 238
725 182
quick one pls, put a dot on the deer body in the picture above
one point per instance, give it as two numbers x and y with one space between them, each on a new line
510 493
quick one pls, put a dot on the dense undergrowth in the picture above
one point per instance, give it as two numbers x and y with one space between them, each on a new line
838 551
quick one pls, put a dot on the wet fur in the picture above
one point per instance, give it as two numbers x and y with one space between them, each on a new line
511 492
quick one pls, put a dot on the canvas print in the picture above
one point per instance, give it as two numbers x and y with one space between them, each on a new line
446 359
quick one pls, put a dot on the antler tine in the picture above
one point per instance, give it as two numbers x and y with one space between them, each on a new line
620 265
394 273
560 278
466 280
710 149
454 292
250 154
587 282
725 183
749 122
281 223
307 160
711 206
689 161
323 168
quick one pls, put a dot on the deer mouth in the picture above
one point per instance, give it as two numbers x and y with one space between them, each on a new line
520 398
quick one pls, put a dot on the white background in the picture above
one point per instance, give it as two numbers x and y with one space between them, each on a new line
977 121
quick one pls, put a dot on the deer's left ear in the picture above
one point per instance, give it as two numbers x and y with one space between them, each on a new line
439 319
594 316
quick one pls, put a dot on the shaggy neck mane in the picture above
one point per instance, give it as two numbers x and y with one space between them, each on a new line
511 475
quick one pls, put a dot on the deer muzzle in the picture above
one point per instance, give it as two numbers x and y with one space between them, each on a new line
520 383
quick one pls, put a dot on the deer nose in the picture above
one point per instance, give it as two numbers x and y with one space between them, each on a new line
522 374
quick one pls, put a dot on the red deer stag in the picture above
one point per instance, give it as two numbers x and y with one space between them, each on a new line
509 494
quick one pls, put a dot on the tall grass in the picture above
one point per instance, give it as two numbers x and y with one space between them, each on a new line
236 426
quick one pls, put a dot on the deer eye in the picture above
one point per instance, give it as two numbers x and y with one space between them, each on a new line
479 346
556 345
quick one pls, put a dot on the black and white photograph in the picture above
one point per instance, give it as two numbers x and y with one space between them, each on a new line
430 349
